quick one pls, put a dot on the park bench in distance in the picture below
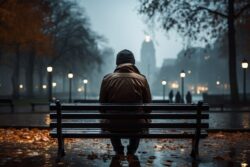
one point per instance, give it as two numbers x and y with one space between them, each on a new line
7 102
194 130
34 104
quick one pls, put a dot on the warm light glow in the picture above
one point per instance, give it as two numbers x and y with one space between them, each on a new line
79 90
217 82
44 86
54 84
164 82
21 86
147 38
70 75
182 74
244 64
49 69
201 89
174 86
243 164
85 81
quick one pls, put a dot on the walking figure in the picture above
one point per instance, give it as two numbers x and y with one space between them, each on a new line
170 96
178 97
188 97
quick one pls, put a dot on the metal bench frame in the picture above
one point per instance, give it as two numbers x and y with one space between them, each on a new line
7 102
196 114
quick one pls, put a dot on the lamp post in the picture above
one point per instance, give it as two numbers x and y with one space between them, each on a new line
244 65
70 76
182 75
85 82
49 70
164 83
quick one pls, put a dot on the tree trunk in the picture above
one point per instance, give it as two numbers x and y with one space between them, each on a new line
15 75
30 73
232 53
40 77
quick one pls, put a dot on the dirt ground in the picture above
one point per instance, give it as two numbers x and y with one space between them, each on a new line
34 147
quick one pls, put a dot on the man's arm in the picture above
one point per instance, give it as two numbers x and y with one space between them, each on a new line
147 95
103 95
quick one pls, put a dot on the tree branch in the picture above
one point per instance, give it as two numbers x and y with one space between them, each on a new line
212 11
242 10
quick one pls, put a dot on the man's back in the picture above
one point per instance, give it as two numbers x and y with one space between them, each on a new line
125 85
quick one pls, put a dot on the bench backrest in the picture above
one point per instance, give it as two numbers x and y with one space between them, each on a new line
6 101
186 116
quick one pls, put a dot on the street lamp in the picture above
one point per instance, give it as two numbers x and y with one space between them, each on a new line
164 83
85 82
49 70
70 76
182 75
54 84
244 65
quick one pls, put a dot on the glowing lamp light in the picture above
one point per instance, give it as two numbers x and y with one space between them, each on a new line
21 86
54 84
164 82
147 38
49 69
189 71
85 81
243 164
174 86
70 75
79 90
217 82
182 74
44 86
244 64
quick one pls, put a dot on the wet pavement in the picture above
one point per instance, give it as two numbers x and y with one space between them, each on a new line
35 148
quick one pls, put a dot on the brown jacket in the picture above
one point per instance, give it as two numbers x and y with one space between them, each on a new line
125 85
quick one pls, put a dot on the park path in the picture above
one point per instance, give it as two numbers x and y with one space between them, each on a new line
34 147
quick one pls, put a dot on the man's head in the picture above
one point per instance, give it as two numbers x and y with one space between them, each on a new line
125 56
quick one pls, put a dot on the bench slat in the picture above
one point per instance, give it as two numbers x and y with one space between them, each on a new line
127 116
117 126
152 106
101 134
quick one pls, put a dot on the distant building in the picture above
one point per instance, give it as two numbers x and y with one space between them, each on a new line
169 62
148 59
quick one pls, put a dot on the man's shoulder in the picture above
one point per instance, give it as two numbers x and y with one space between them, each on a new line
124 75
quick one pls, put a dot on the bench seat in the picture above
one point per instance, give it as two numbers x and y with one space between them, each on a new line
85 133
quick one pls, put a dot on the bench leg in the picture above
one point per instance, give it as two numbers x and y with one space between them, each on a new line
61 151
12 108
32 108
195 148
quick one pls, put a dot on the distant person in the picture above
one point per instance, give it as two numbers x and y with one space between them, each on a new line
189 97
125 85
170 96
178 97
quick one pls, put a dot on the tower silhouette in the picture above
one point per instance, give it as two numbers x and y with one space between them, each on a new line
148 60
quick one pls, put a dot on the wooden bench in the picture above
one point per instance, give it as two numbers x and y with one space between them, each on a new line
7 102
77 128
34 104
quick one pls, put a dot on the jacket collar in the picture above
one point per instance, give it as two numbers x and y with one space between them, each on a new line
127 68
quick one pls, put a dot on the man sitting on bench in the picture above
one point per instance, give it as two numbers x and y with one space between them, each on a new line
125 85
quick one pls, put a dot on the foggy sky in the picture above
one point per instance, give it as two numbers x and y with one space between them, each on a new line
123 27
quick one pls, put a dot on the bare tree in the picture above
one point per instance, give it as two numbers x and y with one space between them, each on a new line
202 20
